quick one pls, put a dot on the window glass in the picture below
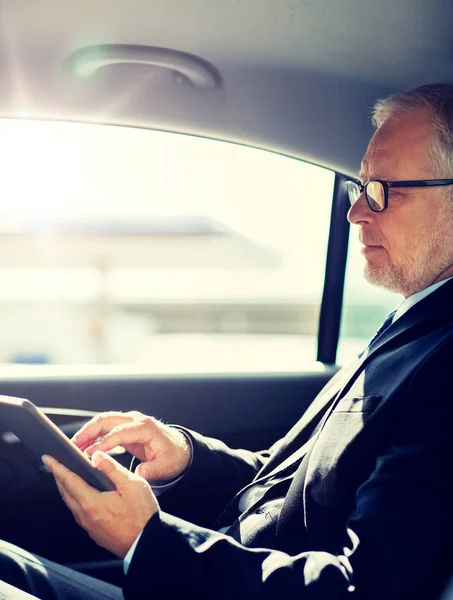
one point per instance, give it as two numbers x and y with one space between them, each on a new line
170 252
365 306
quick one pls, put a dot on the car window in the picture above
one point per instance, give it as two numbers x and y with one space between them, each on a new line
170 252
365 306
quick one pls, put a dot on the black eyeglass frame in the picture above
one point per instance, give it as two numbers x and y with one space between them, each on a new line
391 184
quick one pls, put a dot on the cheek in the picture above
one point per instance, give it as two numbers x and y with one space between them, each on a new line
392 239
399 237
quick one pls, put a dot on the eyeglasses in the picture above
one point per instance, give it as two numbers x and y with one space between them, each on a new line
377 192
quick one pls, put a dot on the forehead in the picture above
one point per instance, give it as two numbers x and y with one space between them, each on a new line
399 148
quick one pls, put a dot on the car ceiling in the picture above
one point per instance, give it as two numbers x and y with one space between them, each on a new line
296 76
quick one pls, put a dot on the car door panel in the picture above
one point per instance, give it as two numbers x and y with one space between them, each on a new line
249 411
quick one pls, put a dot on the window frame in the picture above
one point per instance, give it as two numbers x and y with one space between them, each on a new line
335 274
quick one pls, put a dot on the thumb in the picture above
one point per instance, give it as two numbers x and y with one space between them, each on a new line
151 471
110 467
157 470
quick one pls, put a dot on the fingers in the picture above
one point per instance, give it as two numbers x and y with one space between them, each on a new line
70 502
152 471
111 468
112 519
133 432
100 425
71 487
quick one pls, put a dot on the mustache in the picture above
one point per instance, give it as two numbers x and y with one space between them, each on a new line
366 241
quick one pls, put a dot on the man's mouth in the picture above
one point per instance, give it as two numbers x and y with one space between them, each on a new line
369 243
368 249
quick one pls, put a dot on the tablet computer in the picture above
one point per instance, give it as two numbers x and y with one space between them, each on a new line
42 436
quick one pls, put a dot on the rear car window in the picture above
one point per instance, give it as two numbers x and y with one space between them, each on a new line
168 252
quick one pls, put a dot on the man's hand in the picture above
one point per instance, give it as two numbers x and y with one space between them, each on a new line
164 451
112 519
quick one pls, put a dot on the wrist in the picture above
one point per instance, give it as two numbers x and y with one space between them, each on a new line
186 450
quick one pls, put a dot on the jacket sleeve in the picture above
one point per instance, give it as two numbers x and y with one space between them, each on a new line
395 543
216 475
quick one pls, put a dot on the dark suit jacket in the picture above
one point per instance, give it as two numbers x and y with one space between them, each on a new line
369 512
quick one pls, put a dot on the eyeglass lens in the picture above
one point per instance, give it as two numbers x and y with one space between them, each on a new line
375 195
353 191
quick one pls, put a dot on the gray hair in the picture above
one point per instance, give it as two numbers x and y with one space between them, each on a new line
438 98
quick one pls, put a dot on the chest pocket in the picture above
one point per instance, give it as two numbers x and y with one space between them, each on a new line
342 448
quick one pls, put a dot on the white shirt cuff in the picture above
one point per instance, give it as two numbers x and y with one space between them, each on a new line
130 554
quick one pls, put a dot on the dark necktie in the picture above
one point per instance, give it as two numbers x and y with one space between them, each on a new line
385 325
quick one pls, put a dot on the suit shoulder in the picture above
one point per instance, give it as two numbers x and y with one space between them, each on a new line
436 371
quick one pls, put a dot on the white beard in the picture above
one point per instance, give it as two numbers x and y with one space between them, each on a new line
426 264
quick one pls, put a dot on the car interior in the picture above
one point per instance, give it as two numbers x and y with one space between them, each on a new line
295 80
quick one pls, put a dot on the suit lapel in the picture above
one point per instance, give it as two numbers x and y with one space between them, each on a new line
317 413
301 432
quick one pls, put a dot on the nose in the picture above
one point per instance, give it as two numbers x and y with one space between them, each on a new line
360 212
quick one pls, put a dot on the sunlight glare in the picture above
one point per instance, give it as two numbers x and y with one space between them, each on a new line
40 165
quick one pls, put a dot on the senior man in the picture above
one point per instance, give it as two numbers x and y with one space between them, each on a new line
356 500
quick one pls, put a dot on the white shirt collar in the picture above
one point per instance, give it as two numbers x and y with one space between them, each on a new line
408 303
